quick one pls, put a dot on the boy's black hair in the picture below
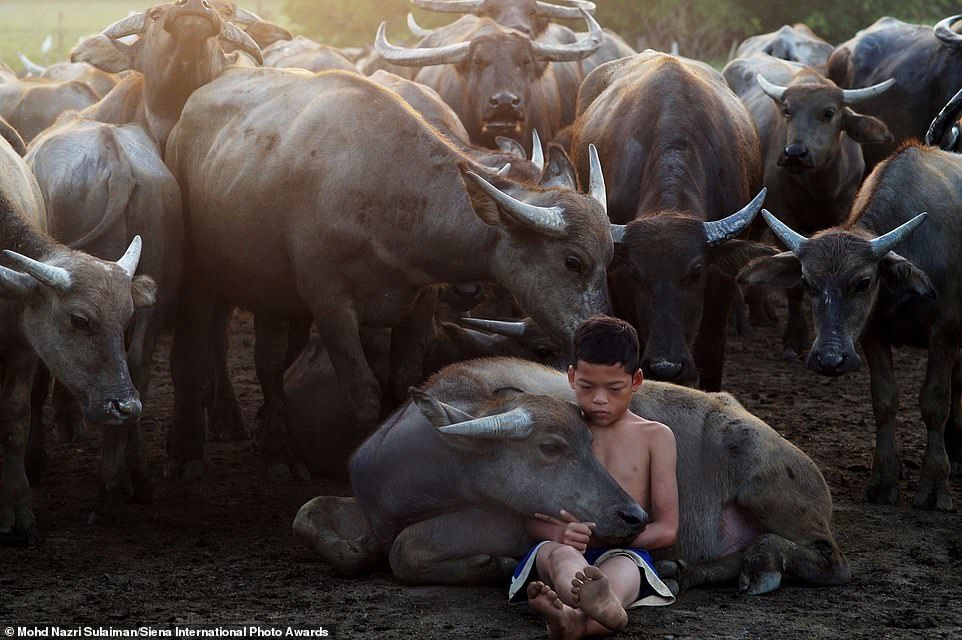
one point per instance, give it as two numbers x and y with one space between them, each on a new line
606 340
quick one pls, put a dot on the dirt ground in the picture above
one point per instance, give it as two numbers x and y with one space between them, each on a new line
221 551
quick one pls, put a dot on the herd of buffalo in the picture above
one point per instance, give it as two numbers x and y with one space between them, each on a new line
418 230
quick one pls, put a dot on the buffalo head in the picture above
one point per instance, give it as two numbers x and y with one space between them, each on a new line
530 17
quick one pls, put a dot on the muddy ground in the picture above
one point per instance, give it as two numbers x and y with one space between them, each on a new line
221 551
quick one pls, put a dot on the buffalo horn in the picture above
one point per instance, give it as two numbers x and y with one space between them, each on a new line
449 6
240 39
245 18
56 277
131 258
852 97
719 231
417 29
793 241
558 12
884 244
946 118
402 56
547 218
516 424
505 170
576 50
945 33
772 90
455 415
500 327
30 66
537 152
129 26
617 232
596 180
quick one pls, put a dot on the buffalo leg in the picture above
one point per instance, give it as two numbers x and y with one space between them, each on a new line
191 361
336 529
795 339
408 344
114 489
339 329
760 310
270 354
17 523
67 415
36 455
953 430
223 409
469 547
298 337
934 400
883 487
709 348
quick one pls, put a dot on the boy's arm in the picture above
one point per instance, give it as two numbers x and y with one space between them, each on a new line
662 529
569 531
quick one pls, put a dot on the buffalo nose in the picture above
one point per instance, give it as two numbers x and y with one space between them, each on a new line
504 99
664 370
795 150
127 410
636 518
829 361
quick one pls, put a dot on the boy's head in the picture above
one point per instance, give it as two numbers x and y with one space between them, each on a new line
605 371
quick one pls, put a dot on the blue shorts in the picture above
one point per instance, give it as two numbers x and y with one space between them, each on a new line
652 591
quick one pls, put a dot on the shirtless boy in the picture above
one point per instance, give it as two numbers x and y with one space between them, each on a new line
580 588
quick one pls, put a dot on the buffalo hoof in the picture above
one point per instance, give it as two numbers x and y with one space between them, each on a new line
761 313
790 355
881 491
933 496
23 530
187 471
672 585
337 531
760 582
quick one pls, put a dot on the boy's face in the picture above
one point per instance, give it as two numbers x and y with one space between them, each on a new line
603 391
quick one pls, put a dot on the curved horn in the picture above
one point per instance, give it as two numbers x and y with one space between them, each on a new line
719 231
558 12
775 91
505 170
617 233
245 18
449 6
510 329
402 56
596 182
56 277
945 33
417 29
131 25
793 241
31 67
575 51
128 262
884 244
537 151
547 218
516 424
946 118
854 96
240 40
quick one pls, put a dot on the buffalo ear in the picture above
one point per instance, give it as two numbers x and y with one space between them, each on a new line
484 206
511 147
558 171
865 129
143 289
732 255
902 276
441 416
780 271
106 54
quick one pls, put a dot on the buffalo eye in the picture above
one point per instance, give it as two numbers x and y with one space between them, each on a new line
79 322
829 114
787 113
553 448
573 263
543 353
696 272
862 285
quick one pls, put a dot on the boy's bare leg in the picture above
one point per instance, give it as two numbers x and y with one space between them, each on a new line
604 591
558 564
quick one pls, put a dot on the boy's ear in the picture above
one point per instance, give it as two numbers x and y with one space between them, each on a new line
571 375
636 379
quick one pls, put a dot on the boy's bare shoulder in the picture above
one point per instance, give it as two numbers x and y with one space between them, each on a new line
657 432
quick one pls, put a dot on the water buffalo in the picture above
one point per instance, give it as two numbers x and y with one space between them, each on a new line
944 130
33 104
68 308
753 506
811 151
341 252
304 53
100 81
797 43
171 37
128 191
925 62
499 81
676 257
861 289
262 32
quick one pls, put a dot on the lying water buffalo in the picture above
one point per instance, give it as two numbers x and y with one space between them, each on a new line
441 489
342 251
673 195
863 290
797 43
811 151
68 308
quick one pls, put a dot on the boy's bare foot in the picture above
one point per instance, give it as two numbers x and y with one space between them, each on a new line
561 621
591 592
